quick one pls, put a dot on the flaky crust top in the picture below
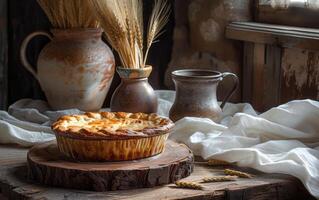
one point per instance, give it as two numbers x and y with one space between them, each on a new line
111 125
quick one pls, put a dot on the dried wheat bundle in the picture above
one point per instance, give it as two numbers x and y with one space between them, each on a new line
219 179
122 22
237 173
66 14
189 185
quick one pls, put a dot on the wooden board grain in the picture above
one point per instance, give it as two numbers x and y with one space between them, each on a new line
48 166
14 185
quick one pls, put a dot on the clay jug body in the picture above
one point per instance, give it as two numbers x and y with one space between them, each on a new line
134 94
196 94
74 70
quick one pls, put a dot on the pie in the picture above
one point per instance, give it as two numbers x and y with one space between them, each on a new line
111 136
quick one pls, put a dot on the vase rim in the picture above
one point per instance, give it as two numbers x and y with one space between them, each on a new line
134 72
137 69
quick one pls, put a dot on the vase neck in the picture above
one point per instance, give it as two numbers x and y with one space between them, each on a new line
130 80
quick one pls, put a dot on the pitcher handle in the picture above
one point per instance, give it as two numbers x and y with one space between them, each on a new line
236 82
23 50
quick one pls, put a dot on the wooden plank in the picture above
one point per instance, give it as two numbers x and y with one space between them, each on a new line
3 54
258 76
284 36
272 74
300 70
248 66
277 28
12 155
14 185
263 185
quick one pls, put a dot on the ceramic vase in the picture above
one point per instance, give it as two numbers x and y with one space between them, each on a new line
134 94
75 69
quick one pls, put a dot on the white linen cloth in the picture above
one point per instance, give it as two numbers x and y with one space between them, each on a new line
284 139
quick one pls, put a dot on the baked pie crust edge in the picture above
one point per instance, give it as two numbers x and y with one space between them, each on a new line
89 144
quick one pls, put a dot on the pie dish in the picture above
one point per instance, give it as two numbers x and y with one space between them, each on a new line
111 136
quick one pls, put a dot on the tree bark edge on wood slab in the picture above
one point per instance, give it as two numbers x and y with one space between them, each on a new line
47 166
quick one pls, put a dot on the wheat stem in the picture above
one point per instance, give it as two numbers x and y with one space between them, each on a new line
122 22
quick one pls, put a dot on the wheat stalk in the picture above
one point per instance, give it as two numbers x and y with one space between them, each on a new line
189 185
65 14
122 21
219 179
237 173
159 18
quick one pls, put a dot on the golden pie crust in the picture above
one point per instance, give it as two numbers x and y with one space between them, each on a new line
111 136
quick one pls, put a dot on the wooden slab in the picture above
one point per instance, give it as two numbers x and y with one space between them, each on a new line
48 166
14 185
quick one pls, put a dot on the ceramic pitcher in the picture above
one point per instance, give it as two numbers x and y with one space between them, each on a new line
75 69
196 94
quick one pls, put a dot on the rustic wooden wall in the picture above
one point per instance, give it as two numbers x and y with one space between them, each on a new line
26 16
199 39
3 53
300 74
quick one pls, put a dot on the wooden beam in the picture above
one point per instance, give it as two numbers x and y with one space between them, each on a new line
248 67
272 76
253 74
3 54
284 36
258 76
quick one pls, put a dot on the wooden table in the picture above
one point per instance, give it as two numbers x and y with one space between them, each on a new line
13 185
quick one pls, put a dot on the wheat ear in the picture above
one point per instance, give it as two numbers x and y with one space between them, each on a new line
219 179
189 185
159 18
237 173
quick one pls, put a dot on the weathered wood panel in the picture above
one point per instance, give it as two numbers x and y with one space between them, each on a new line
3 54
272 73
300 74
276 68
261 75
247 69
258 76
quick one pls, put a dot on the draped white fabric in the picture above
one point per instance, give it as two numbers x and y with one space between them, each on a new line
284 139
